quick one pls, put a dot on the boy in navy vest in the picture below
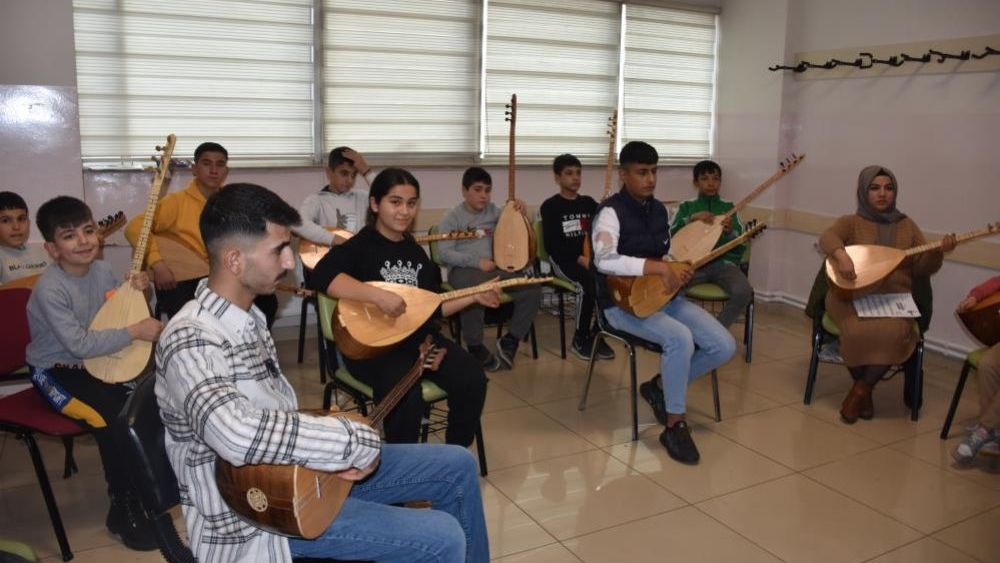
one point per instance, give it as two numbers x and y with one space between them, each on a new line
630 234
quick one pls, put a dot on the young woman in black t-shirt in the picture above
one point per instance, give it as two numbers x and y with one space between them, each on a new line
384 250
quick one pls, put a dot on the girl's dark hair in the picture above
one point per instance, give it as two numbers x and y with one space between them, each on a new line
385 181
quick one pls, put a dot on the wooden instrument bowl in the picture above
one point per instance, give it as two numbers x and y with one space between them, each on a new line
694 240
983 320
872 263
125 307
513 240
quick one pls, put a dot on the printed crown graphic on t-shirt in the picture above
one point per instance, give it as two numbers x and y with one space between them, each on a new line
401 273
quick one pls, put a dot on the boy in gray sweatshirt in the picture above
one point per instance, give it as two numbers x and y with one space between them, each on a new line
470 262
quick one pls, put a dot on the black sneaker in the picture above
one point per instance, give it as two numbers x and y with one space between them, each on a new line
581 348
680 446
654 396
485 357
506 349
604 352
127 520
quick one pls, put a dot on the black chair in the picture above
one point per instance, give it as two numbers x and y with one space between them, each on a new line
303 317
630 341
971 363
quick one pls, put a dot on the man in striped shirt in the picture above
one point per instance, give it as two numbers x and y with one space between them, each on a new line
221 393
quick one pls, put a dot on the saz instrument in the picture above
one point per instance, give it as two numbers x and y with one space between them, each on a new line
105 228
644 295
612 137
300 291
873 262
983 320
185 262
311 253
698 238
128 305
514 237
362 331
293 500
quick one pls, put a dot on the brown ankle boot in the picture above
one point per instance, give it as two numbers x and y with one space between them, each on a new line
867 410
857 397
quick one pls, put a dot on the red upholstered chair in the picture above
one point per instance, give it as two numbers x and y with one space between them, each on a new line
26 413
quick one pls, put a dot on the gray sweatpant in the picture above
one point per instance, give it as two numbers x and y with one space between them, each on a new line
527 300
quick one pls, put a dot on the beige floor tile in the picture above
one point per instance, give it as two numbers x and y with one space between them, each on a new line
779 344
499 399
918 494
582 493
892 418
510 529
551 380
686 535
725 465
117 553
782 381
793 438
927 550
976 536
800 520
523 435
555 553
930 448
733 401
606 420
18 471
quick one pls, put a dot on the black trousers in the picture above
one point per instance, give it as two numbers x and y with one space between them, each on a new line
584 280
107 399
170 301
460 374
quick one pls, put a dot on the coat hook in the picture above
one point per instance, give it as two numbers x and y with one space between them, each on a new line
925 58
962 56
989 51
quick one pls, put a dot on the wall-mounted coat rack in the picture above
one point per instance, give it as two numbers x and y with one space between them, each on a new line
971 54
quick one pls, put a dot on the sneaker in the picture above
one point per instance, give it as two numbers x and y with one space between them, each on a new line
604 352
654 396
506 349
830 352
128 521
967 450
485 357
680 446
581 349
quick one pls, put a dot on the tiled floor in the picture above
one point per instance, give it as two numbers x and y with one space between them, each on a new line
778 481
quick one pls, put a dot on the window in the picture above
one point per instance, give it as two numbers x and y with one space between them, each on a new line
284 81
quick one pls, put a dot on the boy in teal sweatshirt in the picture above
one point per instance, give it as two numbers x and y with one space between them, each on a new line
724 271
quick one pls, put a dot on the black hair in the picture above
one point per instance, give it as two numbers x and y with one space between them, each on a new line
10 200
638 152
210 147
383 184
476 174
565 160
243 210
706 167
337 158
62 212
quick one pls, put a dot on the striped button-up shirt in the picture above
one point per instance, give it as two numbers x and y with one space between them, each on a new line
221 393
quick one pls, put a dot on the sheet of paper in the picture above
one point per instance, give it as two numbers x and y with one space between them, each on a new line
880 305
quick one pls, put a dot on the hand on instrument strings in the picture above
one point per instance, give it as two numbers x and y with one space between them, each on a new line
967 303
359 161
521 207
727 223
844 265
163 276
948 243
356 473
703 216
684 274
390 303
146 329
434 359
487 265
489 299
138 280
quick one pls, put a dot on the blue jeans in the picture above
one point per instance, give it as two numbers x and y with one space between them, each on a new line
368 528
693 343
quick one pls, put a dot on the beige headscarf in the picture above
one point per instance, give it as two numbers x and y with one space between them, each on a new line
887 219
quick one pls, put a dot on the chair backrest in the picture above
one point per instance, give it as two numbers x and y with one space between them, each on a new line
433 247
324 308
142 436
540 251
15 335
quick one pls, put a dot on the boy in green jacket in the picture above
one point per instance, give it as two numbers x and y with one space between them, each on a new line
724 271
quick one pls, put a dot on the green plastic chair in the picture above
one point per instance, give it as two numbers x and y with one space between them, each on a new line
561 286
712 293
455 321
362 394
971 362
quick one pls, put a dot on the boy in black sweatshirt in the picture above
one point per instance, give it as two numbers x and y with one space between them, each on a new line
565 222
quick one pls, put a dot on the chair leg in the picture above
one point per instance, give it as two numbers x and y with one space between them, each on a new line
634 389
748 333
481 450
918 383
599 337
813 366
328 396
50 501
534 342
425 424
303 311
562 325
715 395
69 465
955 398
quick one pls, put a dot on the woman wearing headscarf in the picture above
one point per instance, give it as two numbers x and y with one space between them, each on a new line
871 346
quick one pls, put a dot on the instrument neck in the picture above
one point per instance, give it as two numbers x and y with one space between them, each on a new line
986 231
721 250
738 206
396 394
482 288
